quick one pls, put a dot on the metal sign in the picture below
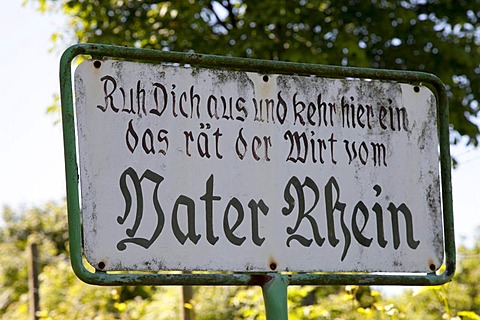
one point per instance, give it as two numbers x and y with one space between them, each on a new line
197 168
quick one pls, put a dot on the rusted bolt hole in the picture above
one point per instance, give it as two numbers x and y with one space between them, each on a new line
97 64
265 78
101 265
273 266
432 267
416 89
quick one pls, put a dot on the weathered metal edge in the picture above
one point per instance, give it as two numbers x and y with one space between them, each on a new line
265 66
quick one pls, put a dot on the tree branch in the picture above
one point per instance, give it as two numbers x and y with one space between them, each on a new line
231 15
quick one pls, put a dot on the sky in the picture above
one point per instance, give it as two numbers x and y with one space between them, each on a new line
31 164
31 161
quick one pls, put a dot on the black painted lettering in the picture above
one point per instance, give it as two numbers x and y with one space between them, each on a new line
377 208
298 146
240 145
360 112
147 141
227 108
348 113
394 210
108 81
281 108
358 232
140 97
332 204
256 144
162 137
131 137
302 213
332 142
151 176
217 134
269 105
124 99
181 101
363 153
402 119
321 147
381 118
254 209
202 145
298 108
194 98
311 110
182 236
227 227
240 107
212 107
172 92
188 138
209 198
379 154
159 110
267 142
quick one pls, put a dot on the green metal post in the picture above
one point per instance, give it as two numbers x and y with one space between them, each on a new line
275 297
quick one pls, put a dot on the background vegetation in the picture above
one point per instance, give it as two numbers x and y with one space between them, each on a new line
63 296
441 37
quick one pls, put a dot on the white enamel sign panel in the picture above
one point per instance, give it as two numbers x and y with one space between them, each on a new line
198 169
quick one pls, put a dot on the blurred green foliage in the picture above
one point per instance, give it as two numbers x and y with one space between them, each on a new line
440 37
63 296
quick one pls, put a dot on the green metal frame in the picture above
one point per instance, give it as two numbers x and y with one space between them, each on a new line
270 282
